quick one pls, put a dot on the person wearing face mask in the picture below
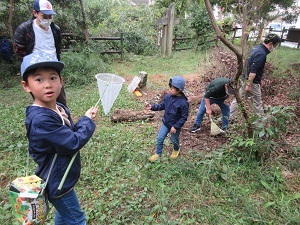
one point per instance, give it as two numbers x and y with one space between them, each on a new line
254 68
39 34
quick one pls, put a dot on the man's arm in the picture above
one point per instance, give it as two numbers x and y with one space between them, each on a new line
208 106
20 42
249 82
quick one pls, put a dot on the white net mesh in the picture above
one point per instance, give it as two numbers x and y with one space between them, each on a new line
109 86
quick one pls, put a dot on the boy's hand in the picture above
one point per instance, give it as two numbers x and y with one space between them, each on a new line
208 111
148 106
249 87
173 130
92 112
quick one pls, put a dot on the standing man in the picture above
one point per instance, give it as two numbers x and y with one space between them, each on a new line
39 34
254 71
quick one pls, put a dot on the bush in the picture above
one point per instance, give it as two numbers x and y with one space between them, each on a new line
9 72
268 128
82 66
200 22
136 42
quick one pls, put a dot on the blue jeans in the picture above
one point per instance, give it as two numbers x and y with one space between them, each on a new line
68 211
224 108
162 134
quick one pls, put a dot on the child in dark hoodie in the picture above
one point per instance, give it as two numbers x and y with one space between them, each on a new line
50 131
176 109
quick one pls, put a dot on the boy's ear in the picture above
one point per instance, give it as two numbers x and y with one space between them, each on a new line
25 86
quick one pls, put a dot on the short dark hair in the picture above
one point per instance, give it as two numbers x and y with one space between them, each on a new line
170 85
272 38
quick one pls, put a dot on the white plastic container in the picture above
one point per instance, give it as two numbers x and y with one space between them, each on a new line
134 84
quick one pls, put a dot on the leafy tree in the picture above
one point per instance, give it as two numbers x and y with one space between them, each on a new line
181 6
259 12
200 22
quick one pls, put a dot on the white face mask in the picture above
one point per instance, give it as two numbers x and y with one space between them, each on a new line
272 48
46 22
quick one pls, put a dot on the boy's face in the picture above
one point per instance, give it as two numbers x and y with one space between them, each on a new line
173 91
45 84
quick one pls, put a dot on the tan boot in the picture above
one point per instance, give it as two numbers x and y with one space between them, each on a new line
154 157
175 154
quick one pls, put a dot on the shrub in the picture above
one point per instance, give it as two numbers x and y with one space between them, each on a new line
82 66
268 128
200 22
8 72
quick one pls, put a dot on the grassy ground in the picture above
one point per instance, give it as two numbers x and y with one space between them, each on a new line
119 186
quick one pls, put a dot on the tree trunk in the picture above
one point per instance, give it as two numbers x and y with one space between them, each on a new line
10 18
239 56
129 116
261 32
85 29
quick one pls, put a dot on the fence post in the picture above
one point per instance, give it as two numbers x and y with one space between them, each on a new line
170 30
234 33
122 45
282 32
175 37
168 21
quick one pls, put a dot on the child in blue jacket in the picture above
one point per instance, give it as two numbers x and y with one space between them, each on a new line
50 131
176 109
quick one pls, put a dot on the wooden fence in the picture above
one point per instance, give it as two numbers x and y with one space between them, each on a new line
292 35
253 35
69 39
177 39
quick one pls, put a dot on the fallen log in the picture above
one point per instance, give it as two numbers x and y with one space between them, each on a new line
129 116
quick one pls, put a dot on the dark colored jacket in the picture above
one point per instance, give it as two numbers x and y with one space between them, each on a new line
176 110
47 136
24 39
256 62
216 88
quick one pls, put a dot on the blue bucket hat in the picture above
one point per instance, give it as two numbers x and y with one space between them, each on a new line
178 82
43 6
40 59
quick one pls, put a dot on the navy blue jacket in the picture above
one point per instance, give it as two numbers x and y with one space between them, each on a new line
256 62
176 110
47 136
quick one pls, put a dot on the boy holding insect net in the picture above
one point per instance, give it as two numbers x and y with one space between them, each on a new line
51 132
176 109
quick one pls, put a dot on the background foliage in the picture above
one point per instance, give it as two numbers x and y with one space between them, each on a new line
107 18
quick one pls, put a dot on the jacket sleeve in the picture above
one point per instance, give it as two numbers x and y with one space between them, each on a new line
159 107
20 42
57 38
184 116
48 132
257 63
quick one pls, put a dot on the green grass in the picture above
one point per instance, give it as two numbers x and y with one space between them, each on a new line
179 63
119 186
285 58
